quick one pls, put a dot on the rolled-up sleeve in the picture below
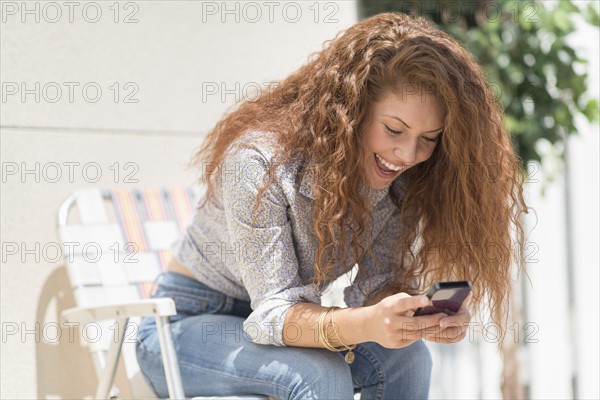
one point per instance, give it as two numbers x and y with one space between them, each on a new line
268 264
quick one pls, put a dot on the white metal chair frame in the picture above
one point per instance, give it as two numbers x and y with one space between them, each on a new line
106 362
161 309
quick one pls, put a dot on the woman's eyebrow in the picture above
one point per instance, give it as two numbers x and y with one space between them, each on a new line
410 127
435 130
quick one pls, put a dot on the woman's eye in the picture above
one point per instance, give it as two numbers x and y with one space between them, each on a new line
391 131
432 140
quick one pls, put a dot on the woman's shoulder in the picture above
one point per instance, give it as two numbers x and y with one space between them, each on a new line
263 141
250 147
261 148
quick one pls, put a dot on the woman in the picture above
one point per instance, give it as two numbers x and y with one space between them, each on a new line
387 151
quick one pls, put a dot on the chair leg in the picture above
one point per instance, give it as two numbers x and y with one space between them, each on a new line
99 358
107 375
169 357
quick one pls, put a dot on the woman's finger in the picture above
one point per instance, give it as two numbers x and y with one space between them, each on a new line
452 334
460 318
403 302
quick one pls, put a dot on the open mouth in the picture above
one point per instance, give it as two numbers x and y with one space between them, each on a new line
384 170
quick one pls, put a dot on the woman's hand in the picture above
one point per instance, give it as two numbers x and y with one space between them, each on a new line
451 329
392 324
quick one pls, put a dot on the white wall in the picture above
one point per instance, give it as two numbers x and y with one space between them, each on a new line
184 66
184 63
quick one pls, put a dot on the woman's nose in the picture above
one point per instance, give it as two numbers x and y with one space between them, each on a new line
407 152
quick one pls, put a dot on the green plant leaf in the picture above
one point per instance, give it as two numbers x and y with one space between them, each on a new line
592 111
592 16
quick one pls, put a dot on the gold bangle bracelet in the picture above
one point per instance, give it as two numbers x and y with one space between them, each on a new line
349 357
322 331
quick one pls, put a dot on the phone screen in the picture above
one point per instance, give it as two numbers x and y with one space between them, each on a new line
446 297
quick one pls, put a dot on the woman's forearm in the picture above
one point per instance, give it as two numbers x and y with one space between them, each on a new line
390 322
301 330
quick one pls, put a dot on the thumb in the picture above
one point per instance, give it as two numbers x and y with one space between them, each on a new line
405 302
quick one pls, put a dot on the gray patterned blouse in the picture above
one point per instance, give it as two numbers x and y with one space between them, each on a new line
273 268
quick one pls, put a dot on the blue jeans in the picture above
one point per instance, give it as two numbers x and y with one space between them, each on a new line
217 358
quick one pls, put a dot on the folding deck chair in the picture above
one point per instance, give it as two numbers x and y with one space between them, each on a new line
116 246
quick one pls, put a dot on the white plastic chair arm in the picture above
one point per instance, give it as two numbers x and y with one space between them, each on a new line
162 307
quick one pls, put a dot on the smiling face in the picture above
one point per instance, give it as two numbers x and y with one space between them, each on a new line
403 132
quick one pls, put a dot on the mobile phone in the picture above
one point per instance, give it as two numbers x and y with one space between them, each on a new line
446 297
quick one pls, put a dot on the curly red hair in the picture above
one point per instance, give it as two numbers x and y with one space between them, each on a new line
459 205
